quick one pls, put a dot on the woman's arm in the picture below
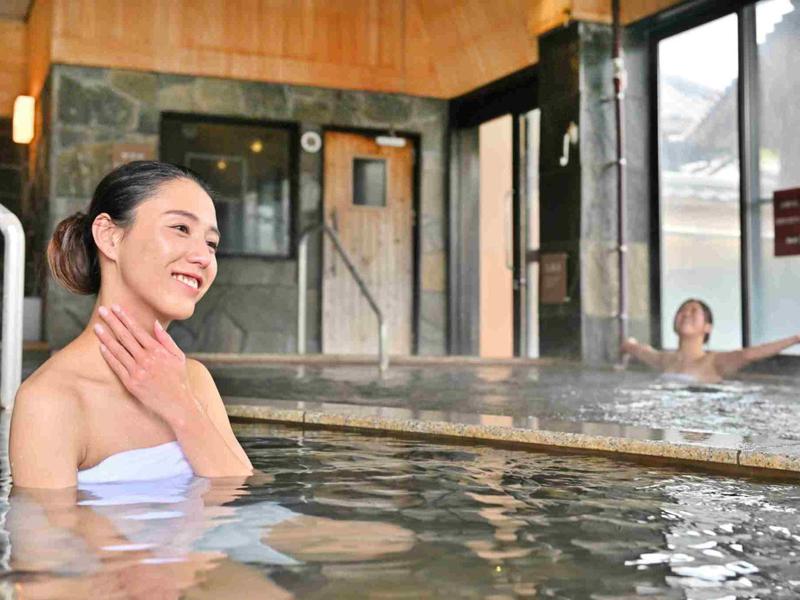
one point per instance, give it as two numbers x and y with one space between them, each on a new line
154 370
727 363
205 390
44 446
644 353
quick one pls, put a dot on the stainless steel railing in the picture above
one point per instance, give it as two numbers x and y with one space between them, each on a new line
13 292
302 271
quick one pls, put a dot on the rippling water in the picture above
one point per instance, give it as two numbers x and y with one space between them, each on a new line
335 515
760 407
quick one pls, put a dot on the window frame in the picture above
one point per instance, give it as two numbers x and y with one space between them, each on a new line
293 128
673 22
371 157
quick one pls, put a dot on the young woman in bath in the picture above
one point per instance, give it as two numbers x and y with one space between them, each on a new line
690 362
121 401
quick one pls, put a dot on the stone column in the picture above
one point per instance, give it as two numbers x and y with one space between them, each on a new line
579 201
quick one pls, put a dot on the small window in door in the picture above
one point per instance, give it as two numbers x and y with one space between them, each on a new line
369 182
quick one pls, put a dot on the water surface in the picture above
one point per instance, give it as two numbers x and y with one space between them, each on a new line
337 515
765 406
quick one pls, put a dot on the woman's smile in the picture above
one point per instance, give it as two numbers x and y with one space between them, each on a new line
192 282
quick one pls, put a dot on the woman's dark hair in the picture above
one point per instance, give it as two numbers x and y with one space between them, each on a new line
709 316
72 253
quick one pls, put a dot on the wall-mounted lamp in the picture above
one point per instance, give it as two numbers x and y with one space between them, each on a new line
24 113
570 138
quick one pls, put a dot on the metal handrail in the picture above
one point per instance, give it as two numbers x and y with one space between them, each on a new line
302 269
13 293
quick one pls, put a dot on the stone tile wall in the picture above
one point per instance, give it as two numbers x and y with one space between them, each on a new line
252 307
579 201
560 187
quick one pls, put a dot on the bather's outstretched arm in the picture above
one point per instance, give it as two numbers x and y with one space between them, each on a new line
644 353
728 363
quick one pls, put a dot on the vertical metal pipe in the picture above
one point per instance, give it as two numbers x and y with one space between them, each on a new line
749 185
383 350
13 293
302 267
619 97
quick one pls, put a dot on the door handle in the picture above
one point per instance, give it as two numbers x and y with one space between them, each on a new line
508 211
335 226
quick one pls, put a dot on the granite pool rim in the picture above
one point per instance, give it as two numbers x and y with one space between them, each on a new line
730 453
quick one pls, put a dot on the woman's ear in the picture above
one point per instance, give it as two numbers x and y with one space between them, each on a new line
107 235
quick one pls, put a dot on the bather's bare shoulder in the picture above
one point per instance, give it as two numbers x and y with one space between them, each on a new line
197 368
60 375
50 397
45 442
199 374
51 388
201 381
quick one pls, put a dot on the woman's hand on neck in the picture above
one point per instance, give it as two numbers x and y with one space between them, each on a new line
143 314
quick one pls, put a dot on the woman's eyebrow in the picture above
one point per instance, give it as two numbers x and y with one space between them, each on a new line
191 216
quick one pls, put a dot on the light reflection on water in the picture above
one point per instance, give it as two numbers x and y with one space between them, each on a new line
337 515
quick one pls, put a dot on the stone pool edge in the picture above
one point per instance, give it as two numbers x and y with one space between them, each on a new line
782 457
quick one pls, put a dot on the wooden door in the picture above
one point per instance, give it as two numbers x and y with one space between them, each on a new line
368 201
496 236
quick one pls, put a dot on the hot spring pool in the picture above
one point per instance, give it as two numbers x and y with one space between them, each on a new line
339 515
752 406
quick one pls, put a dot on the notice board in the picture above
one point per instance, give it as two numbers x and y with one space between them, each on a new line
553 278
786 216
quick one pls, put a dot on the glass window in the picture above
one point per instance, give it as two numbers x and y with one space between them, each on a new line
249 168
699 177
369 182
776 280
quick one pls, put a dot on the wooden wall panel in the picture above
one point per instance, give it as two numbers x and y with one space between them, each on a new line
545 15
475 42
439 48
357 44
13 64
634 10
39 42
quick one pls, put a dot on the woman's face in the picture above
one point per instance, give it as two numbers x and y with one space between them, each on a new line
167 256
690 320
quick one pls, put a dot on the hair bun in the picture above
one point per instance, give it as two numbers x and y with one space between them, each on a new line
73 262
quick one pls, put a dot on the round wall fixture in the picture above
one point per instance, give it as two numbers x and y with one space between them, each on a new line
311 142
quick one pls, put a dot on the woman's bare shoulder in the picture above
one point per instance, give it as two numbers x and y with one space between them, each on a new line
54 386
199 376
201 381
49 390
46 429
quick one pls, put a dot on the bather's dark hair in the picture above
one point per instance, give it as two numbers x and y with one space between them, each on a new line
709 316
72 252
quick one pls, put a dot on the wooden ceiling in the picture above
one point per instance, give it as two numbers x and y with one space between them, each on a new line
437 48
13 64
